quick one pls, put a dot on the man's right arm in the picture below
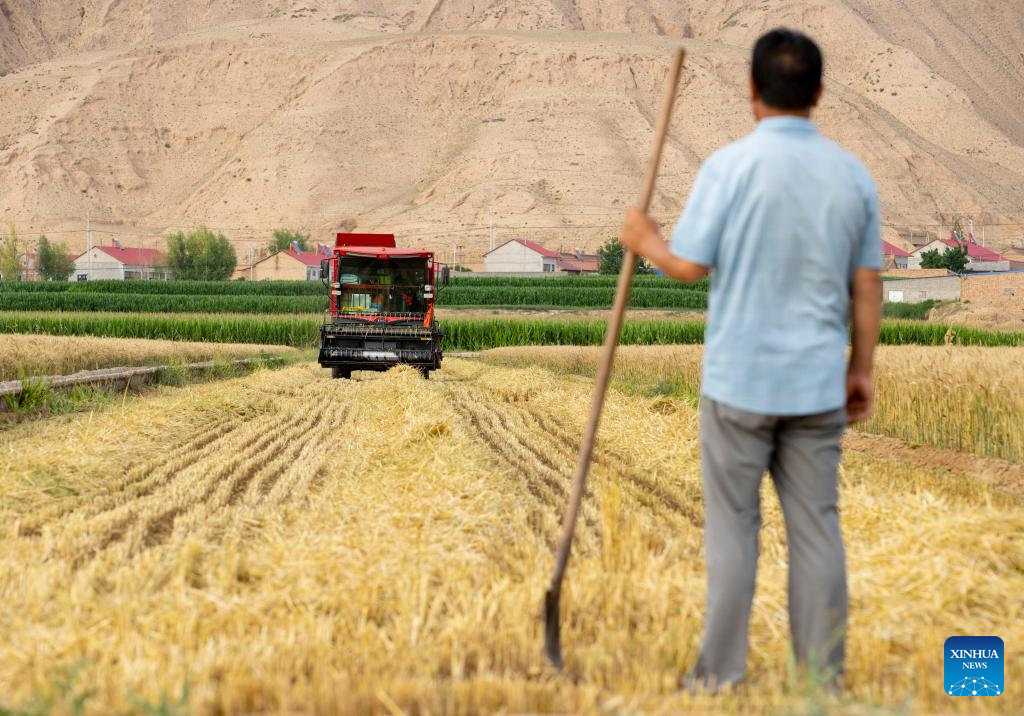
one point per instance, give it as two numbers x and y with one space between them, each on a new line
866 307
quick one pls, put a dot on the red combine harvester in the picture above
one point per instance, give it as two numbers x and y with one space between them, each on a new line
382 307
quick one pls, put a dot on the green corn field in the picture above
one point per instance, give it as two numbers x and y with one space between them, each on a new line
652 292
459 333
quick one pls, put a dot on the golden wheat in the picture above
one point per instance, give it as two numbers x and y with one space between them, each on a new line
961 398
289 543
30 355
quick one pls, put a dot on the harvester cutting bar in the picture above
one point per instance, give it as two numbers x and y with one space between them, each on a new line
369 330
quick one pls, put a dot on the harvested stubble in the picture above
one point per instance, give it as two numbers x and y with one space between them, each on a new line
30 355
957 397
290 543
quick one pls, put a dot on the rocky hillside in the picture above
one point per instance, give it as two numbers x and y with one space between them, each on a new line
419 116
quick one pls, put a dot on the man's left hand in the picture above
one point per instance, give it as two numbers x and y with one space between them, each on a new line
637 231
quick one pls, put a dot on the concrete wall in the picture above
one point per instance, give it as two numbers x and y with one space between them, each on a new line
103 265
915 290
1005 289
513 257
988 265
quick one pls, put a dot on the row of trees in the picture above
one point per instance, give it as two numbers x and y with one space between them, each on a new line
205 255
52 260
201 254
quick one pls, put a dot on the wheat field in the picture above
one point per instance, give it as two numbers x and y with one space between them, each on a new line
32 355
963 398
285 543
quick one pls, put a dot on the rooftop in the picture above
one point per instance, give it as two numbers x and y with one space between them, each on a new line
891 250
532 246
975 251
133 257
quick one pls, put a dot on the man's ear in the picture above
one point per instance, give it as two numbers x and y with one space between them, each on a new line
817 95
755 95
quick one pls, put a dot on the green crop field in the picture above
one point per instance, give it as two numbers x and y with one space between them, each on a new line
459 333
281 297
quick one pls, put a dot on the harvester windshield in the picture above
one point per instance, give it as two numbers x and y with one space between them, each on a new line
370 285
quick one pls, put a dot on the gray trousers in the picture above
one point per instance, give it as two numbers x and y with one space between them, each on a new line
802 455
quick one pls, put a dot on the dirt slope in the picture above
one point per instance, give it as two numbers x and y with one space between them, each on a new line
419 116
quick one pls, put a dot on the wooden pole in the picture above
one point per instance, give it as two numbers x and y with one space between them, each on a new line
552 638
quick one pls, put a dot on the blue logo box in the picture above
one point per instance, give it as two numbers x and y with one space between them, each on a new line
974 666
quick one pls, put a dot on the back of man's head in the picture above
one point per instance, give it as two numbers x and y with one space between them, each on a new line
786 69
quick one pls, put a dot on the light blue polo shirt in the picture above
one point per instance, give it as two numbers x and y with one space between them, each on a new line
782 218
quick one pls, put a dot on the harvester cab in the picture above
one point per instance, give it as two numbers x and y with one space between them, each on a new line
381 306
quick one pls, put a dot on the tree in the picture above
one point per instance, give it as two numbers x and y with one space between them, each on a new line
954 259
10 255
200 255
52 261
611 254
283 239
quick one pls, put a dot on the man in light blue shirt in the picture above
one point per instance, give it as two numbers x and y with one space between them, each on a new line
788 225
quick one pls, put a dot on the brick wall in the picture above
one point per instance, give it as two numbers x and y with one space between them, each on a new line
915 290
995 290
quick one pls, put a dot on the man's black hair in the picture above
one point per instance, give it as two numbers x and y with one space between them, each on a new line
786 69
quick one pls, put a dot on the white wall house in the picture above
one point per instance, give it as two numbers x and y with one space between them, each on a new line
112 262
978 257
521 256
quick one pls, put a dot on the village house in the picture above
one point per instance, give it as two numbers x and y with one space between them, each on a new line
978 257
578 263
290 265
521 256
121 264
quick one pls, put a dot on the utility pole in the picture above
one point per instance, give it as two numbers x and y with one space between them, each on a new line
455 254
252 252
490 231
88 242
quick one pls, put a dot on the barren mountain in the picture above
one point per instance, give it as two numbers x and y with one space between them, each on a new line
418 117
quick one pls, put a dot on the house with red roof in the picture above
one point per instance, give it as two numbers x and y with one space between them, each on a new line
521 256
121 263
978 257
893 256
290 265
